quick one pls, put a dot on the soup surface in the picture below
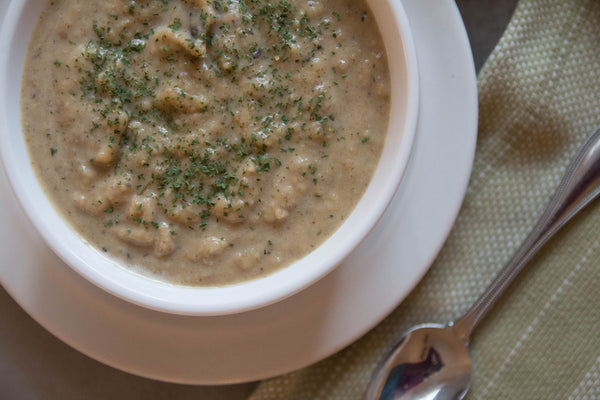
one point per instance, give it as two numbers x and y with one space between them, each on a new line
205 142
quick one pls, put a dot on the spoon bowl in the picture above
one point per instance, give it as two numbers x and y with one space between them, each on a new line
427 352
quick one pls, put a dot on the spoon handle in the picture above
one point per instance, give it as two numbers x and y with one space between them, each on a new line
579 186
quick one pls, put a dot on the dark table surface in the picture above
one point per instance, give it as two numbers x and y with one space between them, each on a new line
36 365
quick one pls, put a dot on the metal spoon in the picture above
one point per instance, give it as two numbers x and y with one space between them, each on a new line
432 362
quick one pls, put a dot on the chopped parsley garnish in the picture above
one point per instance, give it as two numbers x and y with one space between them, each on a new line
143 109
176 25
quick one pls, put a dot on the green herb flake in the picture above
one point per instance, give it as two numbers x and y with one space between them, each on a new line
176 25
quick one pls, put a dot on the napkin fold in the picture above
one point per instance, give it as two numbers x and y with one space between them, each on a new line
539 100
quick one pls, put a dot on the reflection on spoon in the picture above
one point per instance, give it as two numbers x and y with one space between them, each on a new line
404 377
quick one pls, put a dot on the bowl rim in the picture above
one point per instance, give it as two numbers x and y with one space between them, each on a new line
177 299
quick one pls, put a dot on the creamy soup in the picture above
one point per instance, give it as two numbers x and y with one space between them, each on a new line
205 142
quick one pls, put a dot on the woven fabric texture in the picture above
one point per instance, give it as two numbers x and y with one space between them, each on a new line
539 100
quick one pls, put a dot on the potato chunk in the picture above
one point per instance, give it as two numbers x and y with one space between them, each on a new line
164 243
205 250
177 99
167 42
136 236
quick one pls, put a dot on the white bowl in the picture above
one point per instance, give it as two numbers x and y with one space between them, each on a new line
105 272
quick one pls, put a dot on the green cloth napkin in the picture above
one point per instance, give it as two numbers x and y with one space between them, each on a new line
539 99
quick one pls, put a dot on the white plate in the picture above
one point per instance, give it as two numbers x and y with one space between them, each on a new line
312 324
